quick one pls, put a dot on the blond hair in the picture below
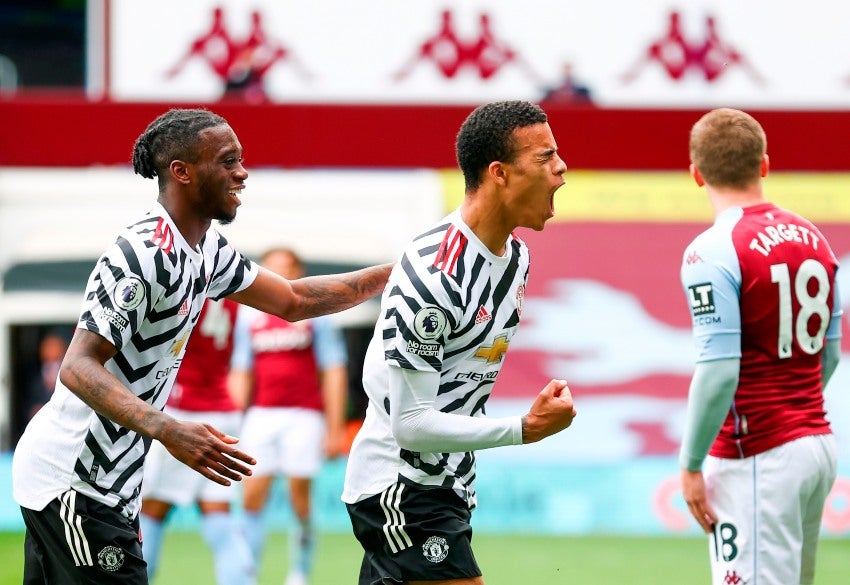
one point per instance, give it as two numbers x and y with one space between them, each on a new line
727 147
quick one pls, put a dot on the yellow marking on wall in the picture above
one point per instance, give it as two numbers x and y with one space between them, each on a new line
674 197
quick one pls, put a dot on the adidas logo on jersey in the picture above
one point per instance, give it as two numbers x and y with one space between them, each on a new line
184 309
483 316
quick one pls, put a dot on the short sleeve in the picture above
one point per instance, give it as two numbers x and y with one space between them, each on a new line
711 279
243 353
118 296
418 316
231 271
328 344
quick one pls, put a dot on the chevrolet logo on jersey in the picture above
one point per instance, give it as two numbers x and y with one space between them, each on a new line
178 345
702 298
493 353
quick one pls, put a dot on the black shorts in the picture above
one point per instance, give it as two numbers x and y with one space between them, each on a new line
75 539
413 533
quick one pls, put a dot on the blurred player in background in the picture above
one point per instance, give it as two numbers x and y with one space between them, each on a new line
201 393
77 469
448 315
51 352
295 379
758 457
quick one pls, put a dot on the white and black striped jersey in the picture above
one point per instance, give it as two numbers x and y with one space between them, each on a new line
450 306
144 295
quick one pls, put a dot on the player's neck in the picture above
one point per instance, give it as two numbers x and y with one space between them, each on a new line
486 224
190 226
723 199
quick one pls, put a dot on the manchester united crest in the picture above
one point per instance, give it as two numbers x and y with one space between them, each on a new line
110 558
520 297
435 549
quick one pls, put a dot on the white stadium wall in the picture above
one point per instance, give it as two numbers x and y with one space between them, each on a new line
648 54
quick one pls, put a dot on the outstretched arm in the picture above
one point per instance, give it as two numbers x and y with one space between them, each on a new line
201 447
313 296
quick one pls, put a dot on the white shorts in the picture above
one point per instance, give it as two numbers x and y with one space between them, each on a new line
284 441
769 509
168 480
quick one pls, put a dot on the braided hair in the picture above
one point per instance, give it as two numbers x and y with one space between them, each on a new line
172 136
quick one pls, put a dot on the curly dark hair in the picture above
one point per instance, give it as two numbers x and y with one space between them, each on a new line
172 136
487 135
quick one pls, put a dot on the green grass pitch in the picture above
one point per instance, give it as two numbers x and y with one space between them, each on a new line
505 559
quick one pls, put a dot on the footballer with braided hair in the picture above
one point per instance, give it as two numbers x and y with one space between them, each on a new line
77 469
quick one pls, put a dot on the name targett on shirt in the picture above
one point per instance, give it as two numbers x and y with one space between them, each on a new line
767 239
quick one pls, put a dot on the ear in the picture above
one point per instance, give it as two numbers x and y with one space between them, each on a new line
765 166
697 176
180 171
498 172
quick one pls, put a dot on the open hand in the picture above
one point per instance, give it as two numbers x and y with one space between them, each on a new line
693 490
207 450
